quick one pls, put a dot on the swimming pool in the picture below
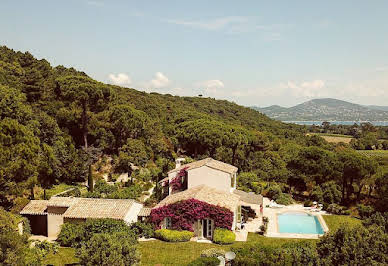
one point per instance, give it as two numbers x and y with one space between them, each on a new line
299 223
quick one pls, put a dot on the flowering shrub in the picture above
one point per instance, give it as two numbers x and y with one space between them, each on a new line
184 213
178 181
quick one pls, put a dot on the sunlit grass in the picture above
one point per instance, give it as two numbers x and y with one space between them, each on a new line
164 253
335 221
62 257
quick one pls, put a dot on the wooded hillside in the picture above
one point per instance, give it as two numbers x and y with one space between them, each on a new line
56 121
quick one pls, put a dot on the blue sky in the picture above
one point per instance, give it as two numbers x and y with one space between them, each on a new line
251 52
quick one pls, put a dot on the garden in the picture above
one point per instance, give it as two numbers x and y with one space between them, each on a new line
183 252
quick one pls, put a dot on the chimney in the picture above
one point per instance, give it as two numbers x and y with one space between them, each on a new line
178 162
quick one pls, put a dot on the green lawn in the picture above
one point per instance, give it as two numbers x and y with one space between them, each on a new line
63 257
335 221
159 252
164 253
54 190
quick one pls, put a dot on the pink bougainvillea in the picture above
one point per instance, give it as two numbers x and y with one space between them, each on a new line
184 213
177 183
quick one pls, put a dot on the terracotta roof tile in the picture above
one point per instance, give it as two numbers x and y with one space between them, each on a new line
210 162
35 207
99 208
250 198
145 212
62 201
206 194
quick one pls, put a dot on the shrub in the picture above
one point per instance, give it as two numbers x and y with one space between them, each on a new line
263 229
354 246
365 211
208 261
109 249
142 229
223 236
19 204
328 192
284 199
70 235
173 235
73 234
308 203
274 192
302 253
213 252
108 226
75 192
132 192
14 248
44 247
102 187
337 209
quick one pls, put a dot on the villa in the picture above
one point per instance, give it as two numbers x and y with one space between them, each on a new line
209 187
199 196
47 216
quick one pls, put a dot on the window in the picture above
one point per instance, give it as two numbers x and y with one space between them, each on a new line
239 214
167 223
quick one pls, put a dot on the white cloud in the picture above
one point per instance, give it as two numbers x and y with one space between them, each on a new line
381 69
212 24
120 79
211 86
159 81
308 89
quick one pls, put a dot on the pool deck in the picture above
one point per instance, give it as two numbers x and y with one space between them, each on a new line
271 213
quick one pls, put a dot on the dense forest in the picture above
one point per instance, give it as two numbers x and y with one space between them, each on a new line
55 122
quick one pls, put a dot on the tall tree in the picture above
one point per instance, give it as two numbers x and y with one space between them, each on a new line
89 94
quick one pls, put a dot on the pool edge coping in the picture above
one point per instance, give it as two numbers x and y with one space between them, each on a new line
296 235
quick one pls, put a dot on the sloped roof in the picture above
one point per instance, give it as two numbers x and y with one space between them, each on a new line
99 208
206 194
250 198
145 212
209 162
35 207
62 201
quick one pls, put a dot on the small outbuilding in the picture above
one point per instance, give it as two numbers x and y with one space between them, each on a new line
47 216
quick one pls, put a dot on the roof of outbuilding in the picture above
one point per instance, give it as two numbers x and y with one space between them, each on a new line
206 194
250 198
209 162
145 212
99 208
82 207
35 207
62 201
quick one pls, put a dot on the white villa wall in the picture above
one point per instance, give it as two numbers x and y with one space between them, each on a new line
131 216
210 177
54 223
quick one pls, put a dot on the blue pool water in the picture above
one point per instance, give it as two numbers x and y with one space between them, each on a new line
299 223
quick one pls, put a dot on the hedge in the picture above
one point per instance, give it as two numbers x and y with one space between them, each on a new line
173 235
223 236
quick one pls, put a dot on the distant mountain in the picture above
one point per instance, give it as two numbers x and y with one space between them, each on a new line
377 107
326 110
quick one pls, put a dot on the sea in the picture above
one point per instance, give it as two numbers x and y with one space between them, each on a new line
309 123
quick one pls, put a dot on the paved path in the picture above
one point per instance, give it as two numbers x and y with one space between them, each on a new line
241 235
